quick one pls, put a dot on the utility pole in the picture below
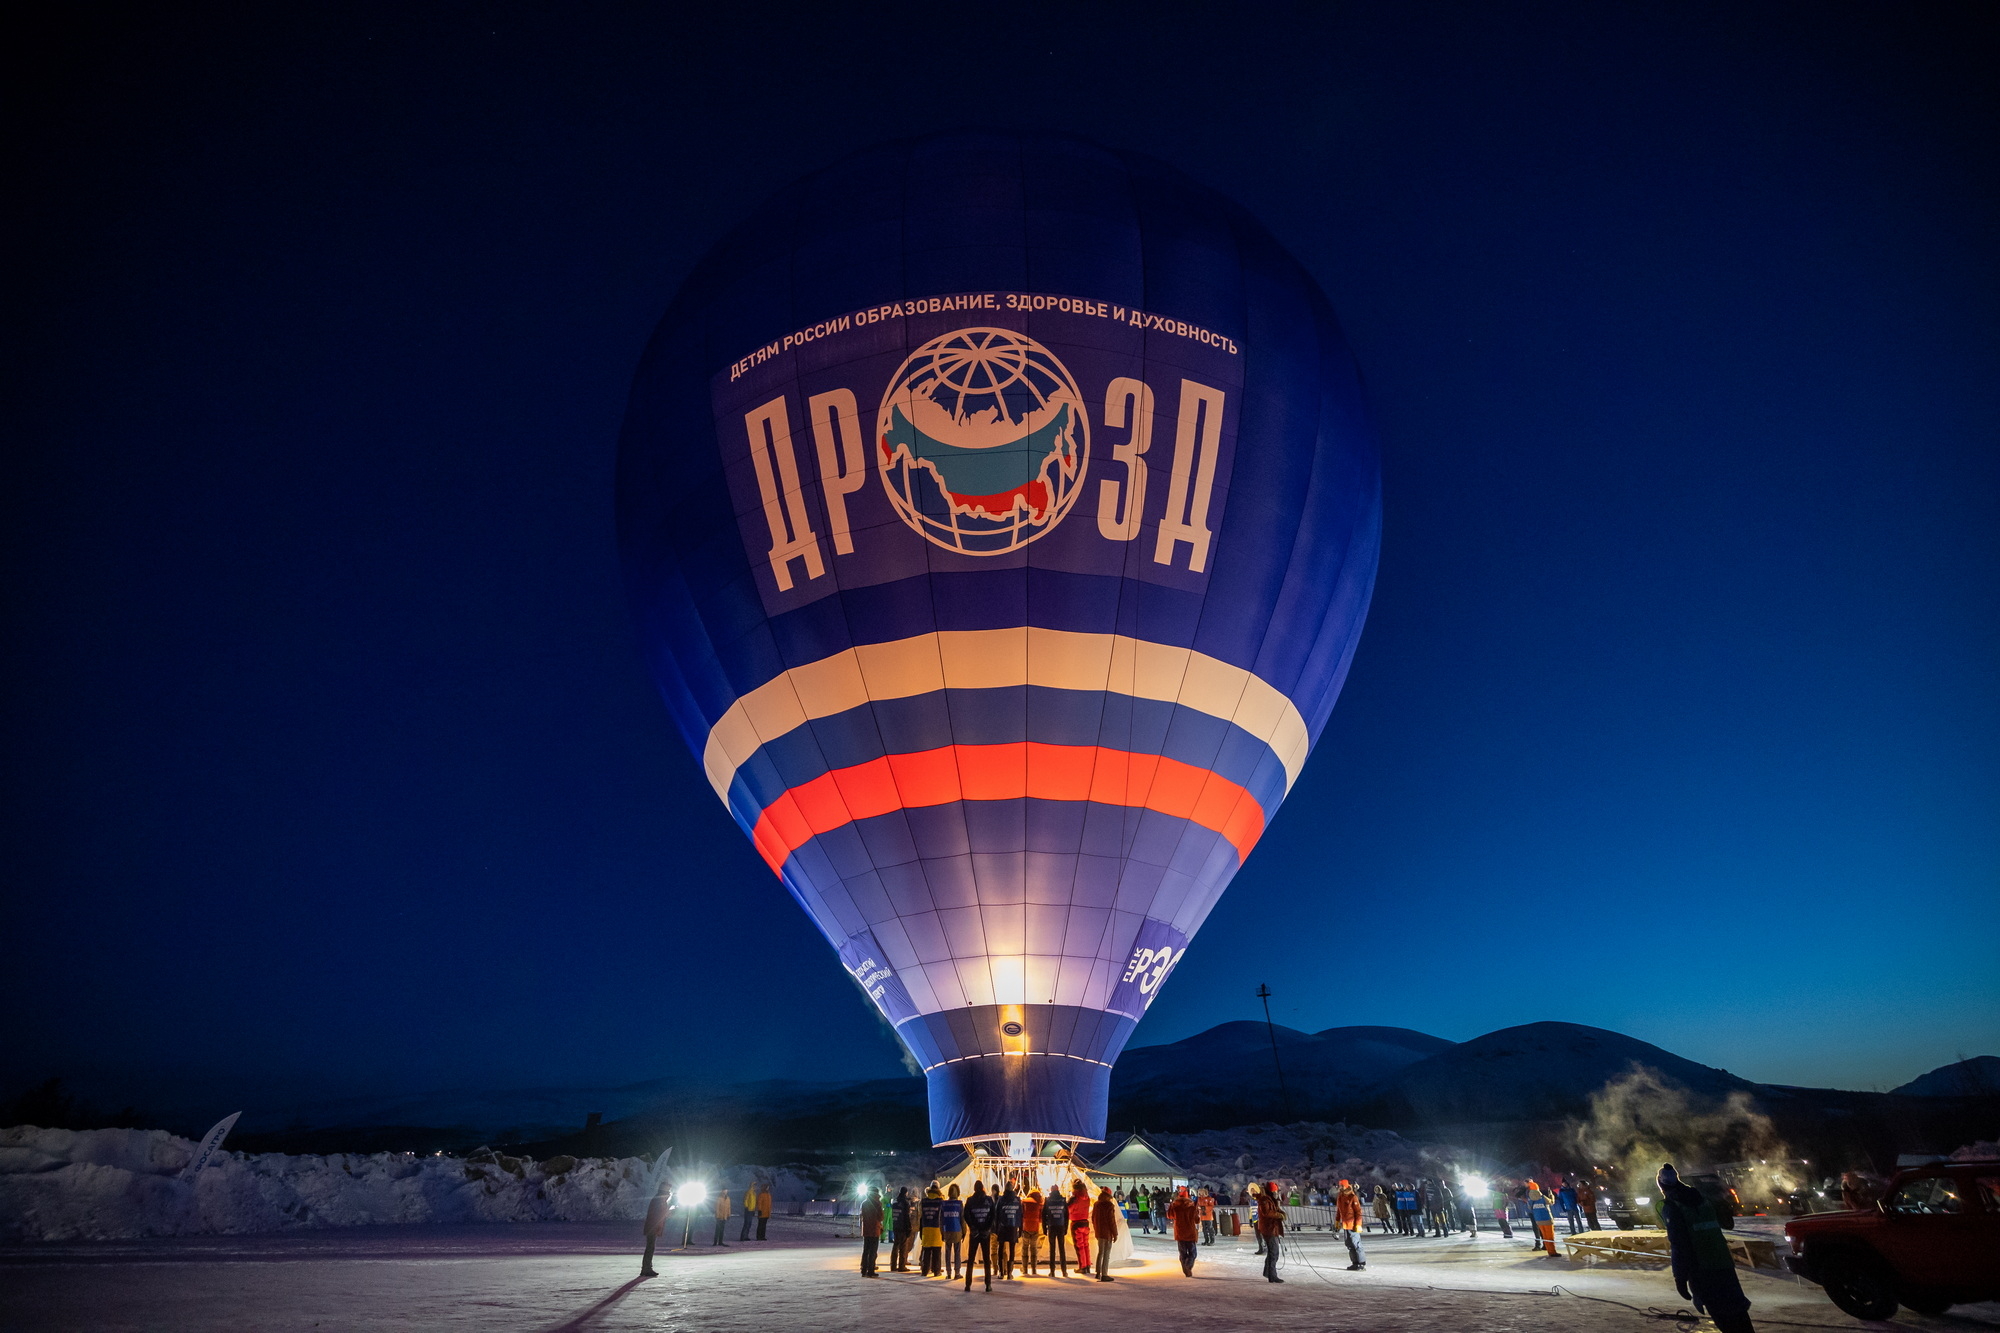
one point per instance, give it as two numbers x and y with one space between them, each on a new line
1284 1094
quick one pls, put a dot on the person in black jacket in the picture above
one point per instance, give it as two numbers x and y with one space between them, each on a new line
1704 1268
1007 1229
979 1232
901 1218
1055 1228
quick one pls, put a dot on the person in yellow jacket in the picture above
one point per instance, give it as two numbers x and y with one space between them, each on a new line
721 1216
763 1208
749 1210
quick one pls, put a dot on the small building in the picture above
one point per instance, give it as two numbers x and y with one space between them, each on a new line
1136 1163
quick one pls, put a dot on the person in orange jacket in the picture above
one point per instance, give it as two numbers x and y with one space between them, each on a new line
656 1222
1079 1225
1270 1226
1206 1203
1184 1216
1031 1232
1348 1217
1104 1226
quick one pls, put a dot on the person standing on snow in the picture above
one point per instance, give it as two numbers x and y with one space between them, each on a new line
979 1233
1256 1196
901 1218
721 1216
1104 1229
1079 1226
1566 1205
1347 1216
1541 1212
930 1232
953 1213
1704 1269
656 1222
1055 1225
1031 1232
763 1208
1205 1205
1586 1202
1184 1215
1007 1229
871 1231
749 1209
1270 1226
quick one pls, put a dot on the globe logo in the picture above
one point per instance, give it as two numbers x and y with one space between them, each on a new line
984 441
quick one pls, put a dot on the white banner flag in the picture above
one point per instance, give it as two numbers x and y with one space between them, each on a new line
209 1143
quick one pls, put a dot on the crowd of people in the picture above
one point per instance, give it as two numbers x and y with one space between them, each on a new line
1014 1231
756 1217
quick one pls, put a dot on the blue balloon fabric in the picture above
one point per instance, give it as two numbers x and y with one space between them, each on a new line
999 513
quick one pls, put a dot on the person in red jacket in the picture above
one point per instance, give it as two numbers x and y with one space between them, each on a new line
871 1231
1104 1226
1184 1215
1079 1225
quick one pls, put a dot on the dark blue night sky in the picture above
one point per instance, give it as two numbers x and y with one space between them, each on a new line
332 765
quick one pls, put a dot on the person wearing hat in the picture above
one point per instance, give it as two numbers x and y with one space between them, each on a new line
1184 1216
1104 1230
871 1231
1270 1226
930 1233
1704 1269
1542 1214
1347 1216
656 1222
1055 1225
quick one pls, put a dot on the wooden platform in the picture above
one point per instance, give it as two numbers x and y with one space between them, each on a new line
1649 1246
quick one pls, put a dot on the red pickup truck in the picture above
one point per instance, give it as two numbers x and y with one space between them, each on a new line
1931 1243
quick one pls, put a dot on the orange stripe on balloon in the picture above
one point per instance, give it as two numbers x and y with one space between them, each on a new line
1007 773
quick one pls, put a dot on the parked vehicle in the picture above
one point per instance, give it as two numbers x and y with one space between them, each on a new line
1931 1243
1629 1205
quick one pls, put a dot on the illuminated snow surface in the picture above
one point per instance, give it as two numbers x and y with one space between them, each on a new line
578 1276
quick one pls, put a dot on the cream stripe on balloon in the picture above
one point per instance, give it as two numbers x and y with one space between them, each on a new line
991 659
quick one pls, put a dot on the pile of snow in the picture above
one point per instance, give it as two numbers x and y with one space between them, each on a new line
1310 1152
100 1184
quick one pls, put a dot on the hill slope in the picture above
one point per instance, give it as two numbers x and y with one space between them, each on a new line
1536 1071
1229 1067
1977 1077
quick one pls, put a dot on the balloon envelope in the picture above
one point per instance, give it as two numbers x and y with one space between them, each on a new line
1000 515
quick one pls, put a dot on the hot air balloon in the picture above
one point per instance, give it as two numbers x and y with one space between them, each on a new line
999 514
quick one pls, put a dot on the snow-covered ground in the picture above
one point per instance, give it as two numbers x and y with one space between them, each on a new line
583 1276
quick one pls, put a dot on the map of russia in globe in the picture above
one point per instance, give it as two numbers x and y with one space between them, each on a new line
999 513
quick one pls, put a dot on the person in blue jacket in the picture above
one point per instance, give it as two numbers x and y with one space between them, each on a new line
952 1215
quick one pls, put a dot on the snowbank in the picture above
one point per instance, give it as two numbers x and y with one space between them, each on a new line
101 1184
1308 1151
